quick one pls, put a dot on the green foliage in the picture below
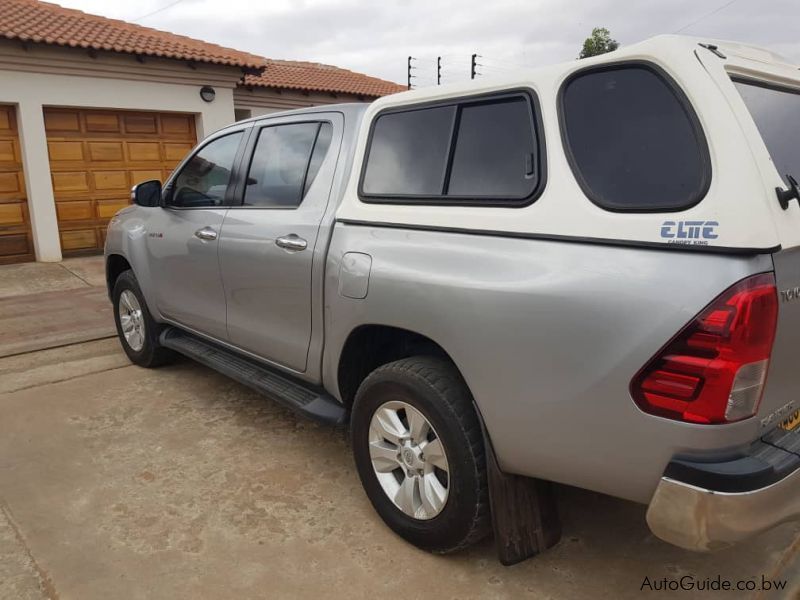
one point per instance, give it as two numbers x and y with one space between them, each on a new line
599 42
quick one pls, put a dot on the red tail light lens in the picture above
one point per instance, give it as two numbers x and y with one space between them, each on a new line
714 370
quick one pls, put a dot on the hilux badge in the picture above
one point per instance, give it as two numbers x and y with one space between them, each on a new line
790 294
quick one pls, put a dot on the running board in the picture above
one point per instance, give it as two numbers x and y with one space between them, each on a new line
299 397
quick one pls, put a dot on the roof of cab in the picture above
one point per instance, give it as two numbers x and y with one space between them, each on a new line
351 110
353 113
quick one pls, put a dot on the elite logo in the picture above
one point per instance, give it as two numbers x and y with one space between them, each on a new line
689 232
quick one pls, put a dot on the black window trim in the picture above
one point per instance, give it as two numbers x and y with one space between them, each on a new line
537 124
230 191
249 153
686 106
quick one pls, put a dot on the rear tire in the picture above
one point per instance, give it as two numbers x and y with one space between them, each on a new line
137 330
430 487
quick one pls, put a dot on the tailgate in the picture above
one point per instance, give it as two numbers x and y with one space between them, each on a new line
782 391
763 91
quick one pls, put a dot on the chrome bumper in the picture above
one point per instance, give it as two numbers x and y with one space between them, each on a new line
701 519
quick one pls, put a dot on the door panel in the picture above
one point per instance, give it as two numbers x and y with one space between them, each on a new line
183 238
185 269
96 156
267 282
268 288
16 242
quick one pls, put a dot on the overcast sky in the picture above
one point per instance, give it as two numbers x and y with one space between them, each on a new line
375 37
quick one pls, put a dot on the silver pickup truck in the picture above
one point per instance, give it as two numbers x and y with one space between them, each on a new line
586 274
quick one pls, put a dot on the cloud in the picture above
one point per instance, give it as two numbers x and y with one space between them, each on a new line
375 37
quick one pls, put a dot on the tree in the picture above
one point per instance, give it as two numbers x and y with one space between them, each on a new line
599 42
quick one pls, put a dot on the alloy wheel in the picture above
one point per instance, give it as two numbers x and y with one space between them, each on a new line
131 320
409 460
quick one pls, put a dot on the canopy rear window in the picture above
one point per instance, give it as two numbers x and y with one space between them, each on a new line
633 139
776 112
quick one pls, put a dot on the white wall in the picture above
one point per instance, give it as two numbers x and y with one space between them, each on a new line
257 111
30 91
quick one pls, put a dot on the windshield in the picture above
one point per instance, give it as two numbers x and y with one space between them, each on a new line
776 112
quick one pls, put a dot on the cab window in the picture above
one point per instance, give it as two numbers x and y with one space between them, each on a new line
285 162
204 179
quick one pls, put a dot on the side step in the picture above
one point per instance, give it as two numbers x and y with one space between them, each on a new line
300 397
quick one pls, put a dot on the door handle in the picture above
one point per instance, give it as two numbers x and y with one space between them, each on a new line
206 233
291 242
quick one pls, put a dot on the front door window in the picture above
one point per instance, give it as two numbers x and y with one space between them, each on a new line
204 179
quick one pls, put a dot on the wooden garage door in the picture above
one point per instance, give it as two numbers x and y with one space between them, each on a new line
16 243
95 158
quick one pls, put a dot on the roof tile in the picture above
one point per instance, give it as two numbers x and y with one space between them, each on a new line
42 22
317 77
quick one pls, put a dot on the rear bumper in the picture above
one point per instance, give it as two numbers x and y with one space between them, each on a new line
702 506
700 519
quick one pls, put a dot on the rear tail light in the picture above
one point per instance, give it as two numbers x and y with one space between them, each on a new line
714 370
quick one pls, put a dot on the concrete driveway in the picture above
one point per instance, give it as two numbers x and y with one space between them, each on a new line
43 305
121 482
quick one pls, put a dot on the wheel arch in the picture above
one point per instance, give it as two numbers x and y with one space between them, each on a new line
369 346
116 264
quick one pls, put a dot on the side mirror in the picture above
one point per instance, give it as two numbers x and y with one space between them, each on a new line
147 193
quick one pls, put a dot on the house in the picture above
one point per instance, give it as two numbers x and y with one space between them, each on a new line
285 84
89 106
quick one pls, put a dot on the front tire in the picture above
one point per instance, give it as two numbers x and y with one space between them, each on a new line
419 452
137 330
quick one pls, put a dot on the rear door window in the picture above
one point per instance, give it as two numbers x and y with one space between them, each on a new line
776 112
483 151
633 140
319 153
284 164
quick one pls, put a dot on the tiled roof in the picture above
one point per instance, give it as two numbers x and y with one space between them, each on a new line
42 22
316 77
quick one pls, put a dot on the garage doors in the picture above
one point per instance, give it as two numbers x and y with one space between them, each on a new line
16 243
95 158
